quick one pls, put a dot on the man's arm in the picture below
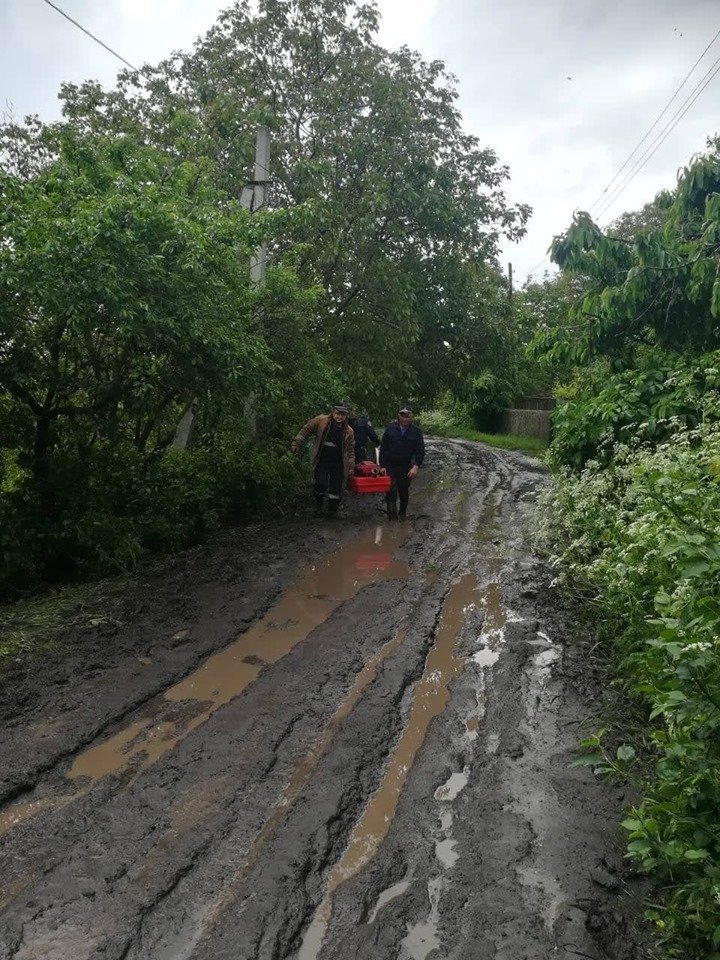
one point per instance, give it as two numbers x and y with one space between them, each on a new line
420 449
371 433
304 433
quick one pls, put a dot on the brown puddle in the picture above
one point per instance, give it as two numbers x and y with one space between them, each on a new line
304 770
429 700
224 675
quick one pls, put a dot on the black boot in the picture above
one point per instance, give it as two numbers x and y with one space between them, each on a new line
333 507
319 498
392 511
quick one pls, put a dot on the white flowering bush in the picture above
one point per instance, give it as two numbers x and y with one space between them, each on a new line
639 541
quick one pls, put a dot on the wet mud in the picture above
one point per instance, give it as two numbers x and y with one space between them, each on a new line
322 741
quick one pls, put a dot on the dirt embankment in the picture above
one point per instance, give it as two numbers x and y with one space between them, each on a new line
322 740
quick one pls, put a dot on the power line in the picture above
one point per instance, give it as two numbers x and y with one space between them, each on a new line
708 77
91 35
655 122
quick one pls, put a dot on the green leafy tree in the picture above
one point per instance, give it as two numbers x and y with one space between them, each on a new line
122 294
368 141
660 288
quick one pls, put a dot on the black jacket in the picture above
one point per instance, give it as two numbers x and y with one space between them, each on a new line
397 450
363 430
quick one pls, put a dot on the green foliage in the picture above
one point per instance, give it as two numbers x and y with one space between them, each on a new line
659 287
124 292
638 539
399 210
647 404
115 505
541 307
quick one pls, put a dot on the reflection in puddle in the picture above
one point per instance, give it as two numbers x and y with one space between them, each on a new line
429 699
224 675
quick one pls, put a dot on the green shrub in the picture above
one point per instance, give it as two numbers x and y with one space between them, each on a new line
643 404
102 513
639 540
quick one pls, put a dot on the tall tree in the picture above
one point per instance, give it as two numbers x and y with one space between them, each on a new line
369 141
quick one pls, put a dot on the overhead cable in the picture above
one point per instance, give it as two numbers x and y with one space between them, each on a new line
707 78
657 120
91 35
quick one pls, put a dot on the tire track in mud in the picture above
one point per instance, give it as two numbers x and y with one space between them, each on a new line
227 844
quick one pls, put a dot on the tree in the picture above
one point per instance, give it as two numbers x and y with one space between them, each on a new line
122 295
368 141
659 289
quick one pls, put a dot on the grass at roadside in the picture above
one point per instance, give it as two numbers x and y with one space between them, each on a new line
532 446
34 628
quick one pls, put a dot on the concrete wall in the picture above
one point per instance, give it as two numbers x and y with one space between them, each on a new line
526 423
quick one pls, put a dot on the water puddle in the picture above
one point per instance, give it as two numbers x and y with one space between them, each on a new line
422 938
321 589
490 644
429 699
224 675
472 725
388 895
446 848
453 786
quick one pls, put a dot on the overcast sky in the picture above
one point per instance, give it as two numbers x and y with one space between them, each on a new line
561 89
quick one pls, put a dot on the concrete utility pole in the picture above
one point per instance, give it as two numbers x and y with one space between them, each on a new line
254 197
510 285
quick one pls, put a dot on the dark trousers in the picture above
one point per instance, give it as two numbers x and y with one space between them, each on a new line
328 481
400 488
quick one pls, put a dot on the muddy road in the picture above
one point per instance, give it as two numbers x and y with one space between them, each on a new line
320 741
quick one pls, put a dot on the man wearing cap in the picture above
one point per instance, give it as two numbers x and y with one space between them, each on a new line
333 455
402 452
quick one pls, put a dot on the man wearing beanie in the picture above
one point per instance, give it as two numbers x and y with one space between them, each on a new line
402 452
333 455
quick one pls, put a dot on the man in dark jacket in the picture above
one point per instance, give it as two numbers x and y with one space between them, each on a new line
333 455
402 452
364 431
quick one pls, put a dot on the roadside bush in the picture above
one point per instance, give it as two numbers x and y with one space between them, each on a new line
646 403
103 513
638 539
